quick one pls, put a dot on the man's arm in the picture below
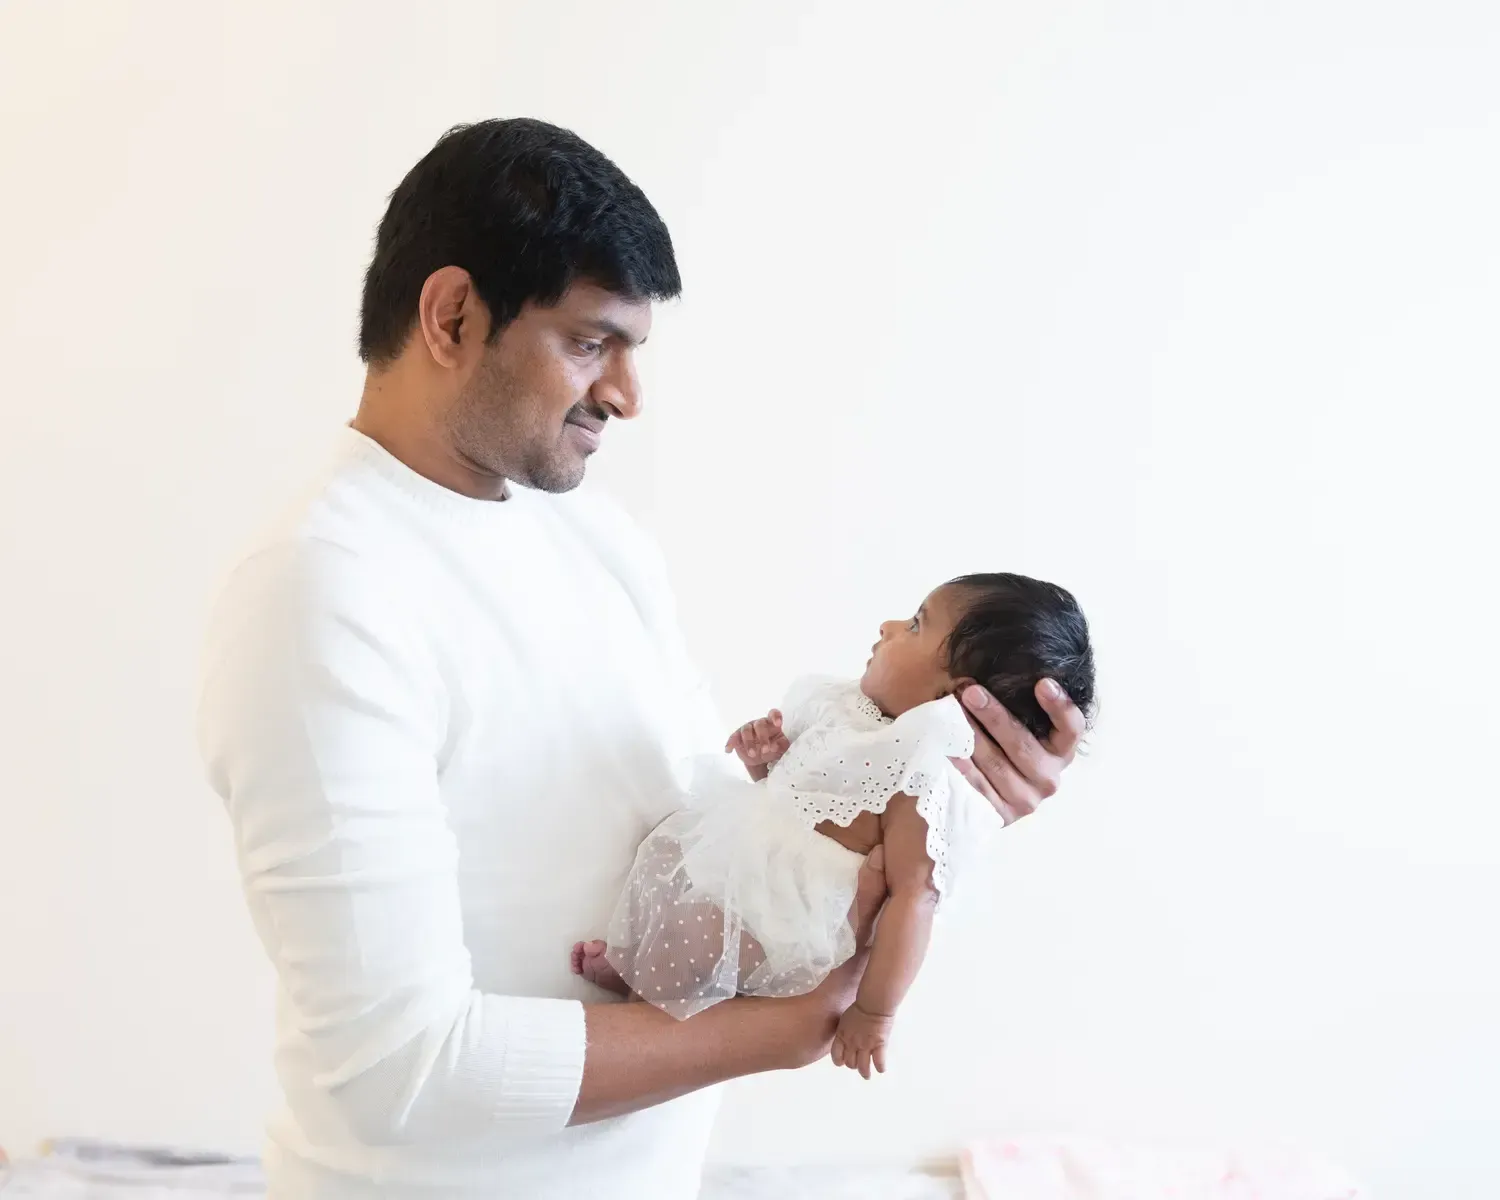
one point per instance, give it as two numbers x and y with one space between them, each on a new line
639 1056
321 721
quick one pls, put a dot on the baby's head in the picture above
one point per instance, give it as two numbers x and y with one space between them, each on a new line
1004 631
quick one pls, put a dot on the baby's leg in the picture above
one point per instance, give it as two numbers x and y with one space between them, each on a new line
705 944
752 958
589 961
706 931
681 948
682 961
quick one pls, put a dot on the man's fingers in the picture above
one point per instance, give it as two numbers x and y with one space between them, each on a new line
1018 793
1009 784
977 781
999 786
999 737
1068 724
1014 740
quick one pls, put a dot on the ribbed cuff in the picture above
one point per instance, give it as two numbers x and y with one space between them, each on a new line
540 1063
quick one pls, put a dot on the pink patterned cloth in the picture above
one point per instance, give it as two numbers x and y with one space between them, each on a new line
1076 1168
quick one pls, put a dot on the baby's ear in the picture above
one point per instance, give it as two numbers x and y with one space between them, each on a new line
956 686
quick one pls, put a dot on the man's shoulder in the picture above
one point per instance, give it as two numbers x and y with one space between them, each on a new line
294 577
341 525
321 556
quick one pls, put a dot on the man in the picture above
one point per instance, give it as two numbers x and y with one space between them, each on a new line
442 704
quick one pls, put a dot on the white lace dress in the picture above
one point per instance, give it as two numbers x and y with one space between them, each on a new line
737 893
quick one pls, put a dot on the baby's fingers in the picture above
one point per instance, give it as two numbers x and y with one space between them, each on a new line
878 1058
864 1063
837 1052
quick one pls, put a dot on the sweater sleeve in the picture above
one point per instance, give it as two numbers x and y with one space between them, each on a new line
321 723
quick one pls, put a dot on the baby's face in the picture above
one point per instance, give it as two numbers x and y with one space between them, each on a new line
907 666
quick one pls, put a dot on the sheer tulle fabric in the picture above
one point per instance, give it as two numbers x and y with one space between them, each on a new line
737 892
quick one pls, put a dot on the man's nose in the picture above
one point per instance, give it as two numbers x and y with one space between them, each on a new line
618 389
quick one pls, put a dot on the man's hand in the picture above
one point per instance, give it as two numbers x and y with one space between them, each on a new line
759 744
1010 768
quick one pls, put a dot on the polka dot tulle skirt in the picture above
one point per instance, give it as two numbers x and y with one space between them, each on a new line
733 895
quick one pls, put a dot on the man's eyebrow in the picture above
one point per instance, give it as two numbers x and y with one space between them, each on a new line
609 329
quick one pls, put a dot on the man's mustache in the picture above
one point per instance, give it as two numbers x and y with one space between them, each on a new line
587 416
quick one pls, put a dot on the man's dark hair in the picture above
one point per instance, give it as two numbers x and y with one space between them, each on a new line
1015 632
524 207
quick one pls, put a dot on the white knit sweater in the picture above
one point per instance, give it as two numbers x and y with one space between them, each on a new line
440 727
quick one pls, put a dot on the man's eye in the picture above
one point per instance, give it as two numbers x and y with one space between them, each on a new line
588 347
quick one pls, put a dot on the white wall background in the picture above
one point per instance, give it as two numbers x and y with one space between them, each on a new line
1189 306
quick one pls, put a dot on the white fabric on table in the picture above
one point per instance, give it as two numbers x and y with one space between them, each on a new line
1078 1168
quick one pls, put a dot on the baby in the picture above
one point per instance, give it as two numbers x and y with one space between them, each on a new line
747 890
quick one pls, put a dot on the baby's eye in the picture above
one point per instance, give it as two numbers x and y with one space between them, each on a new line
914 624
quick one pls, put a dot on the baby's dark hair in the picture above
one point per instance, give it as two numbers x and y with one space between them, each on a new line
1015 632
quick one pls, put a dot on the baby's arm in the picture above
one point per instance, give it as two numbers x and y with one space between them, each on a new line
760 744
900 940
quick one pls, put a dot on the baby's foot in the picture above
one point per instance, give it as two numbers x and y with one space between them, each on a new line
589 961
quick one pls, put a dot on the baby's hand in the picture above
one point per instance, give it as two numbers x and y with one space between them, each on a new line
861 1040
759 743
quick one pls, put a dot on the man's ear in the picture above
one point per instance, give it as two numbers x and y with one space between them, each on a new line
451 318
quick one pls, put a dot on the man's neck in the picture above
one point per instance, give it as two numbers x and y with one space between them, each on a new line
403 426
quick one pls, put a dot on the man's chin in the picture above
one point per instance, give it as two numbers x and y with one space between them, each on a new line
558 476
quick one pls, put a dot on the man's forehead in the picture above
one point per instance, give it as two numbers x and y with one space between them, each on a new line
608 311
